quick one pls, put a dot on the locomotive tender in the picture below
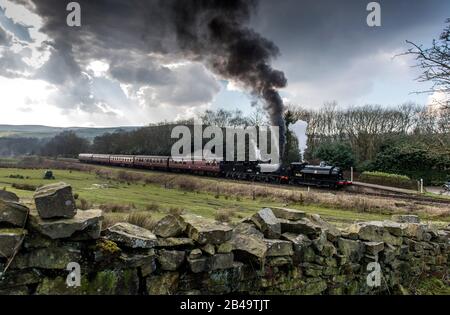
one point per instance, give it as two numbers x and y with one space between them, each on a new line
296 174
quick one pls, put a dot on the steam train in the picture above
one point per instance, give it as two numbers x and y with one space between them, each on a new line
295 174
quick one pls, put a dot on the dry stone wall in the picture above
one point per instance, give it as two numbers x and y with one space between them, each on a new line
275 251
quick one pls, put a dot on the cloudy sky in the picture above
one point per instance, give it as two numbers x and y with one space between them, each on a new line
123 66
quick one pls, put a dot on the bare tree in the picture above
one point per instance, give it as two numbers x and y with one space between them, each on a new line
435 63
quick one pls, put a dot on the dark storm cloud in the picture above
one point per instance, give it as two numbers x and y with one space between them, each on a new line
211 31
184 93
141 71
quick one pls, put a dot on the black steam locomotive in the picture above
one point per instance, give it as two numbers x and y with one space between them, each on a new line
294 174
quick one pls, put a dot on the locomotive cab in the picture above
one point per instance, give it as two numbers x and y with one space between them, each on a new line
316 175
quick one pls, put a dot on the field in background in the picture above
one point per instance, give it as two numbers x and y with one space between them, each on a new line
133 195
31 131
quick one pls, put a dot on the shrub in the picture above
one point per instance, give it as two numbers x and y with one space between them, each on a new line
17 176
336 153
388 179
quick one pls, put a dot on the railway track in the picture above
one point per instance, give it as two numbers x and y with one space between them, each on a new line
384 191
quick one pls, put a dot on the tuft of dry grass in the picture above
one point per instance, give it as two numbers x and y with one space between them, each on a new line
224 215
153 207
109 220
114 207
129 177
143 220
175 211
83 204
27 187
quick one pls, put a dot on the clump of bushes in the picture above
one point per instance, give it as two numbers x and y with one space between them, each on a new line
16 176
388 179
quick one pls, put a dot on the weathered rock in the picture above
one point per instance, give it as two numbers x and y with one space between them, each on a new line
247 228
267 223
278 248
288 214
106 282
225 248
209 249
415 230
170 226
395 228
332 232
55 201
249 247
171 260
163 284
303 226
64 228
319 242
221 261
13 214
55 257
350 248
135 260
406 218
10 241
92 232
175 242
196 253
131 236
279 261
300 244
374 231
373 248
15 277
198 264
206 232
8 196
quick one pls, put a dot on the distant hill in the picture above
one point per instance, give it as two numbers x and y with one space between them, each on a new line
37 131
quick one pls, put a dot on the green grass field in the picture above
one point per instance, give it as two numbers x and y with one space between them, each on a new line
140 196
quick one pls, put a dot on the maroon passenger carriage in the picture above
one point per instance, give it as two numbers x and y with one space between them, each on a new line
151 162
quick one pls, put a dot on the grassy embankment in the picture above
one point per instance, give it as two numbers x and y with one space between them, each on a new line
154 194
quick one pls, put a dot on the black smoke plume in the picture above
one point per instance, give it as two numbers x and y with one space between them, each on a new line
215 32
